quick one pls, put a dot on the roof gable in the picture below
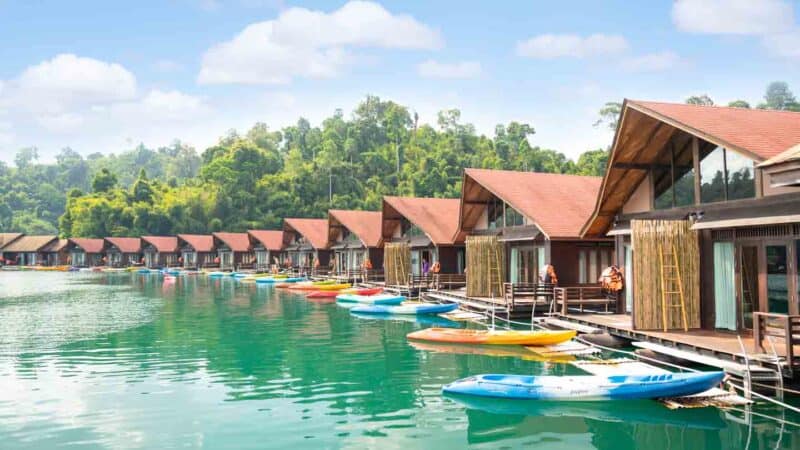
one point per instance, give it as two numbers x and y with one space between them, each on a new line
366 225
237 242
203 243
436 217
7 238
558 204
126 244
29 244
272 240
89 245
314 230
162 244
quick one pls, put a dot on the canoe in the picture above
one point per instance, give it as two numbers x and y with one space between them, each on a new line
503 351
586 387
380 299
362 291
216 274
320 287
270 280
322 294
407 308
494 337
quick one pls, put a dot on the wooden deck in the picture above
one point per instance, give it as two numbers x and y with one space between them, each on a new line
521 308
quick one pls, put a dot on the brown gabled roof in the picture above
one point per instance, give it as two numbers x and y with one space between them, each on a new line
7 238
646 128
315 230
366 225
558 204
126 244
162 244
436 217
89 245
238 242
272 240
762 133
55 246
29 244
199 242
793 154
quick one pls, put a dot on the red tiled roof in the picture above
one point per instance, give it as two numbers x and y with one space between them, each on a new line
89 245
126 244
26 244
763 133
55 246
315 230
162 244
366 225
558 204
272 240
436 217
199 242
238 242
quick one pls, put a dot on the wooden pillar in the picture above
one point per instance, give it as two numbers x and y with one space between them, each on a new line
696 164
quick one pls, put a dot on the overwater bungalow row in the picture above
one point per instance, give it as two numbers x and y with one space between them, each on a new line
24 250
123 251
306 244
233 251
703 205
85 252
421 237
197 251
160 251
267 246
355 240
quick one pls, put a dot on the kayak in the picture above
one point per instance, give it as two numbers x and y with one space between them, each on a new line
586 387
240 275
323 282
362 291
514 351
495 337
216 274
381 299
322 294
284 280
320 287
407 308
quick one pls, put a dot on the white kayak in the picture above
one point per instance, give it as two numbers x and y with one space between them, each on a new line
379 299
407 308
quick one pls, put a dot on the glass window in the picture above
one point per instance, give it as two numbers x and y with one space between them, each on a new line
513 218
712 176
669 192
582 267
684 188
741 181
495 214
777 283
662 183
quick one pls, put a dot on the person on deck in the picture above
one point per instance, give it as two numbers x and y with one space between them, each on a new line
426 267
548 275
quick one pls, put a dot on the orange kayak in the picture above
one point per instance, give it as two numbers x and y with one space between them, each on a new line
318 287
492 337
362 291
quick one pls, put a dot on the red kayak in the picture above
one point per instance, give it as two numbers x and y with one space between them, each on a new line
363 291
322 294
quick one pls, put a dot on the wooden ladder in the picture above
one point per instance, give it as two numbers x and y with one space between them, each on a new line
495 273
671 286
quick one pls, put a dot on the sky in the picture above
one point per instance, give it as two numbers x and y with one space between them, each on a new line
100 76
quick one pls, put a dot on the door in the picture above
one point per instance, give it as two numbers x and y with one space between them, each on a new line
415 264
777 258
628 266
724 286
748 283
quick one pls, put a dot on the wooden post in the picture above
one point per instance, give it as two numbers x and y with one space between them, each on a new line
696 164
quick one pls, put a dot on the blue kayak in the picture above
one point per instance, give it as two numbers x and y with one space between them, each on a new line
409 309
379 299
266 280
586 387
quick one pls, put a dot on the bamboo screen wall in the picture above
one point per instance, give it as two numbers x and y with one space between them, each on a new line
485 266
397 263
647 237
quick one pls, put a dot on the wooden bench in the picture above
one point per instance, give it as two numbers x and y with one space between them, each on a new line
582 296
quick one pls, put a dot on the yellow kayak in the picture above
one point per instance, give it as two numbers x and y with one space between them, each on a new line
319 287
493 337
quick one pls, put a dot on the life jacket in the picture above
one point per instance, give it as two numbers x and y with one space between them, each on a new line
436 267
611 279
368 264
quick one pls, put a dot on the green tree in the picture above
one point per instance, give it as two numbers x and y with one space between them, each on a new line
609 115
739 104
701 100
104 181
779 96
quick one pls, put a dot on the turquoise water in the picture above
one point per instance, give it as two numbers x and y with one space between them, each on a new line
125 361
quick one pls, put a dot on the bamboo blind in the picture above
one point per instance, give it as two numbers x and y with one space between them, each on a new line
397 263
485 266
647 237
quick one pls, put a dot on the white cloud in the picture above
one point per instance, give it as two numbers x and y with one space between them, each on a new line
68 81
312 44
783 45
160 105
436 69
549 46
652 62
167 66
733 16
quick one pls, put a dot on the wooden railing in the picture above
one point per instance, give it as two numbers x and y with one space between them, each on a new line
581 296
535 292
438 281
785 327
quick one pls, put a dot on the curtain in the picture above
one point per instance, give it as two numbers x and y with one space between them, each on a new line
514 269
724 286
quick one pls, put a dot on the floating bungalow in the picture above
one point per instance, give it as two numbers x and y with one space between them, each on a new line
306 243
233 251
197 251
355 238
55 253
123 251
419 233
27 250
5 239
160 251
267 246
85 252
703 204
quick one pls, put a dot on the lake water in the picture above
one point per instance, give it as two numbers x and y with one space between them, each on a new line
125 362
